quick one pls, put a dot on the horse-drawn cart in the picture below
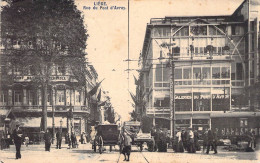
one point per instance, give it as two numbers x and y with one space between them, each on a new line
106 135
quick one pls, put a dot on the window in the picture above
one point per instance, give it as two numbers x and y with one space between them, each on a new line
183 101
233 30
60 97
162 102
201 101
185 31
60 70
225 72
78 97
158 72
216 73
233 71
239 71
17 97
162 75
186 73
178 73
206 72
220 99
197 73
3 97
32 97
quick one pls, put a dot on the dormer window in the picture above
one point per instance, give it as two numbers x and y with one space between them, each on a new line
16 44
30 44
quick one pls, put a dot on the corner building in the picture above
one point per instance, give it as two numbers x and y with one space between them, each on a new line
216 72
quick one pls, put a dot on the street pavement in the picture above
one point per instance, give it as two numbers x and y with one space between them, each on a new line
84 153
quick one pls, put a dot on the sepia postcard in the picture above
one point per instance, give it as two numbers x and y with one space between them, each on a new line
146 81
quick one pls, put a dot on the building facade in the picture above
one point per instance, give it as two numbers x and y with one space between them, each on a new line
216 71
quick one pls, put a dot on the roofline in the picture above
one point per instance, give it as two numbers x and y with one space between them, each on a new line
239 8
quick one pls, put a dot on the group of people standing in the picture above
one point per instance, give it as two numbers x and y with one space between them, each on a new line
188 140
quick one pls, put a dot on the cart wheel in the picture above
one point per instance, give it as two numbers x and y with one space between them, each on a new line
100 144
110 149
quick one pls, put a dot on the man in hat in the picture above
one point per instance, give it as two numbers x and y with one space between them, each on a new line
17 136
59 139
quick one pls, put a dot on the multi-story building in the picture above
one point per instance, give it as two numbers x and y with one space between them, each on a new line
216 70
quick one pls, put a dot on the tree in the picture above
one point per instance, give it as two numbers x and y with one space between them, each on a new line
41 35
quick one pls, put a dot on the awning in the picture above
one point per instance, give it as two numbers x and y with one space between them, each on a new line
234 114
36 121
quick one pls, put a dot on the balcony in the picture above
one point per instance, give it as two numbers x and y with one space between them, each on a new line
158 111
38 108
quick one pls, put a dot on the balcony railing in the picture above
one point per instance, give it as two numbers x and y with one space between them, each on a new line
158 110
37 108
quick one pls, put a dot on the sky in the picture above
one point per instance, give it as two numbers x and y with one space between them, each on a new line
107 46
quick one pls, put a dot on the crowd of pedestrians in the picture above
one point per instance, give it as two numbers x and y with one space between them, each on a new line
188 140
185 140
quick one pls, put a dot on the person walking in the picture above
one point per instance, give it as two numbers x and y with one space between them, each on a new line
211 142
73 140
17 136
47 138
127 145
179 142
59 139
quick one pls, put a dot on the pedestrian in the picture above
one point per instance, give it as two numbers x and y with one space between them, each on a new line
179 142
126 146
254 138
196 140
205 139
47 138
211 142
154 134
82 138
68 139
184 138
59 139
73 140
215 137
26 140
17 136
191 142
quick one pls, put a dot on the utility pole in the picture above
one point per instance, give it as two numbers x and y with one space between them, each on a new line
172 90
172 103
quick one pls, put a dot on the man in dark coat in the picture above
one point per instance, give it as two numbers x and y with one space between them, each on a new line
17 136
73 140
59 138
211 142
184 138
47 138
196 140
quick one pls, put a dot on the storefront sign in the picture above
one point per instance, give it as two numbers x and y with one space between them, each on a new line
29 78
